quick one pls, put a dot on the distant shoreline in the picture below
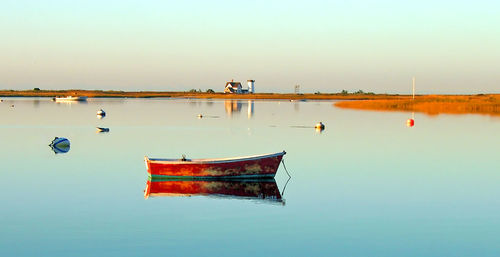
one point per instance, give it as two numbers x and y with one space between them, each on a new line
203 95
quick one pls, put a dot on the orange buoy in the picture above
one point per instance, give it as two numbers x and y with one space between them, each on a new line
410 123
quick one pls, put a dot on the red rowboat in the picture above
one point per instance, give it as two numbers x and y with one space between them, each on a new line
257 166
266 189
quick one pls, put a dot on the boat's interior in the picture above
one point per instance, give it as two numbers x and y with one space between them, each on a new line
216 160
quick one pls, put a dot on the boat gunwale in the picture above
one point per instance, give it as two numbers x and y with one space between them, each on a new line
215 160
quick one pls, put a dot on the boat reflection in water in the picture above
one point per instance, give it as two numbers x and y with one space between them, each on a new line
60 149
235 106
262 190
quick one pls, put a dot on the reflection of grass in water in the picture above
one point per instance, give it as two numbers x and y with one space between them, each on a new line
432 104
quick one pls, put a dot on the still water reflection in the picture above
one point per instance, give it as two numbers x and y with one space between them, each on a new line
235 106
368 185
265 190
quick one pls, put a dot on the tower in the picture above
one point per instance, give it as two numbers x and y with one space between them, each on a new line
251 86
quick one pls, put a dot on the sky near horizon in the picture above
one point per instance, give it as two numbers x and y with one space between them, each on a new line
326 46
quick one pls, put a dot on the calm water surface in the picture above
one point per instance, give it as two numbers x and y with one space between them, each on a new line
366 186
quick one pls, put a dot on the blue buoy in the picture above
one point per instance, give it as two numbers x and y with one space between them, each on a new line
60 145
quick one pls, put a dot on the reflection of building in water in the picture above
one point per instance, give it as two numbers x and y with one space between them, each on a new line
250 108
232 106
235 106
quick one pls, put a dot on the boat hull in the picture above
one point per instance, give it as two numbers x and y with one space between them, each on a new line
262 166
60 145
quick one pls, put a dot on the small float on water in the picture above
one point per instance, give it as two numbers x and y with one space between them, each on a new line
70 98
256 166
99 129
319 126
410 123
101 113
60 145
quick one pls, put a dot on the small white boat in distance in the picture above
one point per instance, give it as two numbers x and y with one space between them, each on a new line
101 112
70 98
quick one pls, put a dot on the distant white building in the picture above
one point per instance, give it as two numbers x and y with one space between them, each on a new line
233 87
236 87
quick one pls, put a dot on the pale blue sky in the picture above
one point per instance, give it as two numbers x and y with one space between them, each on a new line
327 46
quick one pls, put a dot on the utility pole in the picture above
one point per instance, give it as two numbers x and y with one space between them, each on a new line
413 89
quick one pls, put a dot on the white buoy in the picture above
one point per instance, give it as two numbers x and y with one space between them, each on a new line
99 129
319 126
200 116
101 112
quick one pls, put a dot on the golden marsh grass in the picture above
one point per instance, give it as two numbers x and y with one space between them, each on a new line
488 104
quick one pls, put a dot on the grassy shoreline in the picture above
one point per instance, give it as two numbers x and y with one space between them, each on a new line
488 104
153 94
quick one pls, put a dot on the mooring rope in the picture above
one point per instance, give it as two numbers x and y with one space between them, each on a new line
284 187
289 177
283 161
